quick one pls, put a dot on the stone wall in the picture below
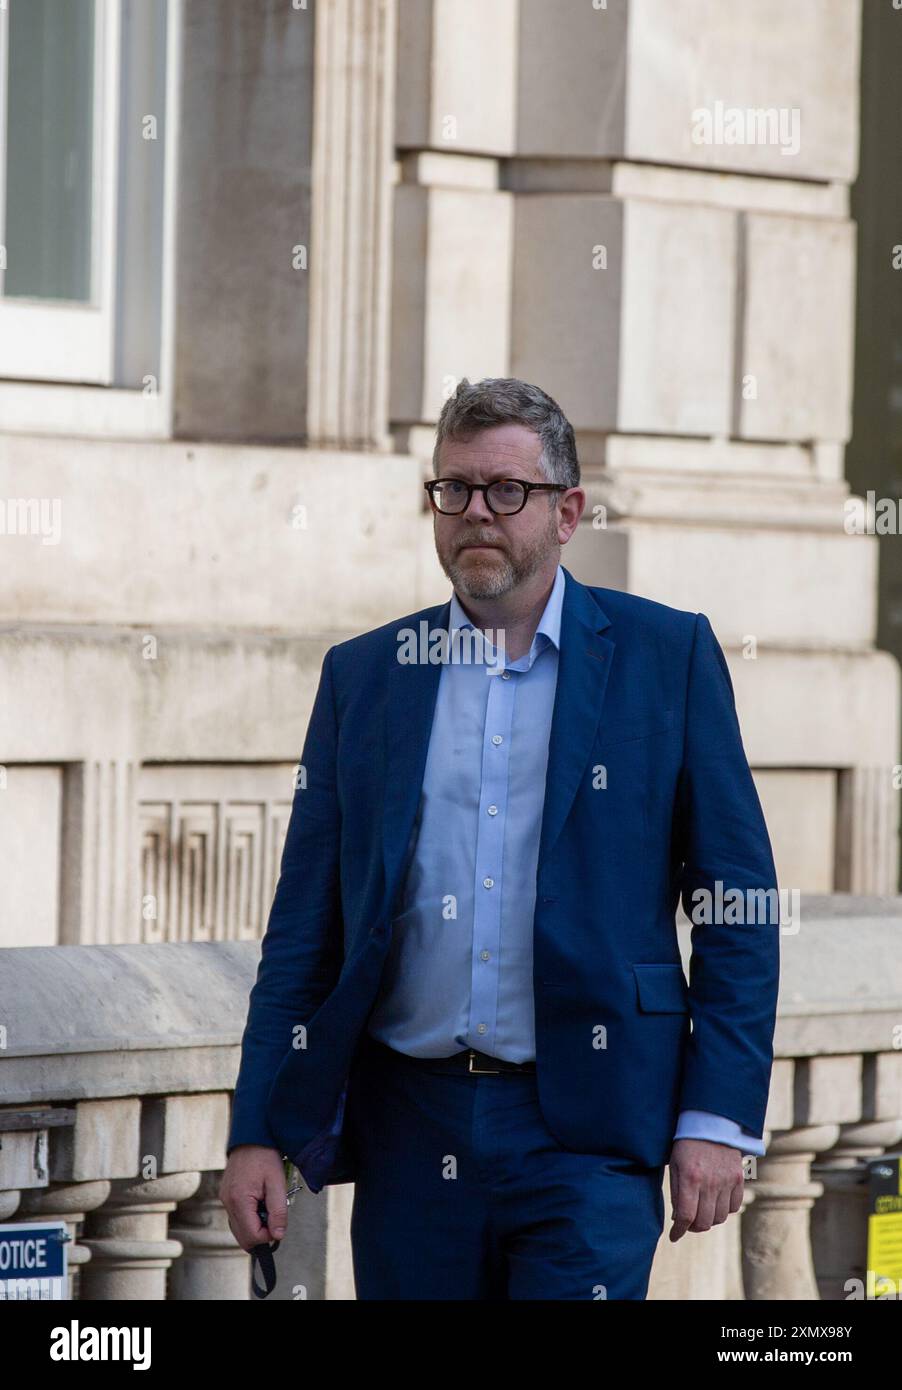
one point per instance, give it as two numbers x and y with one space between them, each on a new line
115 1118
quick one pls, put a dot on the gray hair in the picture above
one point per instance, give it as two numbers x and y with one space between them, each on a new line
509 401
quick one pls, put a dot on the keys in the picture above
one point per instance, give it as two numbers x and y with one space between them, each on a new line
262 1213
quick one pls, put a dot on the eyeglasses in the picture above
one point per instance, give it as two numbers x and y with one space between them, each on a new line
504 496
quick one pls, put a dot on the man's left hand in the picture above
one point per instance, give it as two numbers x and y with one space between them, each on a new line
706 1182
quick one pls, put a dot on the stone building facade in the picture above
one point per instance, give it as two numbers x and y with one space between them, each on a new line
308 221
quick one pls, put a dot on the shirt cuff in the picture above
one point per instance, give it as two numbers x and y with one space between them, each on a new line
717 1129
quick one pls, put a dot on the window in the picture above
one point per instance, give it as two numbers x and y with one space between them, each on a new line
57 69
82 107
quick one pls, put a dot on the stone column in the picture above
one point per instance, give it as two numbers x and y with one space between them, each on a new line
213 1264
733 1285
867 822
128 1239
776 1245
339 1257
69 1202
354 74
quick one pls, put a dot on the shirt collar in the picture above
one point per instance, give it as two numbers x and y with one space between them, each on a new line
548 630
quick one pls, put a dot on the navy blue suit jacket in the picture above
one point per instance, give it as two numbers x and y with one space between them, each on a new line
648 797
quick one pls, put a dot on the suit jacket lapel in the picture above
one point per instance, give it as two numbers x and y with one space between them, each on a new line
409 711
584 663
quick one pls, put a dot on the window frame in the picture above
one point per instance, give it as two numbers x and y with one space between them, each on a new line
54 340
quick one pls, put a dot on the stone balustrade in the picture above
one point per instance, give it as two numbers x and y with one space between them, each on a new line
117 1065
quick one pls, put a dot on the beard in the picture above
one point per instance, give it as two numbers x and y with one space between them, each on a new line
493 576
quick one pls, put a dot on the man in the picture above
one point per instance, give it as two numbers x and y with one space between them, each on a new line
470 1000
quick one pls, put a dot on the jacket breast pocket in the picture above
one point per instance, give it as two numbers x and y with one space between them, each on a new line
662 989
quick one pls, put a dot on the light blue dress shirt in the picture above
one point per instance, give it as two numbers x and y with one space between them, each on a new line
459 971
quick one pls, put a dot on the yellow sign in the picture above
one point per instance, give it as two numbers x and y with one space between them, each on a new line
885 1227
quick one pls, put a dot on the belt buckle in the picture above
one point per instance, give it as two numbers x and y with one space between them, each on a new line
481 1071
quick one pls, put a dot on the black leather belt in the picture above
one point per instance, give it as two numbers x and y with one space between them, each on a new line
471 1060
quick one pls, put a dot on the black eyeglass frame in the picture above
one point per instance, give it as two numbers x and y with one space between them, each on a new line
484 489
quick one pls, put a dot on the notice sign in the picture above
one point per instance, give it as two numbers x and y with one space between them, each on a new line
33 1260
885 1226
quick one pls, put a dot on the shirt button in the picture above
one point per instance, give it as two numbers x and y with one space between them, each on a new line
482 1028
493 810
505 675
496 738
484 955
488 883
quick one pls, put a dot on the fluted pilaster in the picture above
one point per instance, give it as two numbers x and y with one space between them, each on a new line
354 75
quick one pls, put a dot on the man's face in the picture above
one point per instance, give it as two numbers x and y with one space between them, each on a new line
513 548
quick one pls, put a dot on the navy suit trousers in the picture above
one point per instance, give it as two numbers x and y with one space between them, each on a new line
463 1192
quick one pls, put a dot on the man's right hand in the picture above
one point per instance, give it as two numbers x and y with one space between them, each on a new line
252 1172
